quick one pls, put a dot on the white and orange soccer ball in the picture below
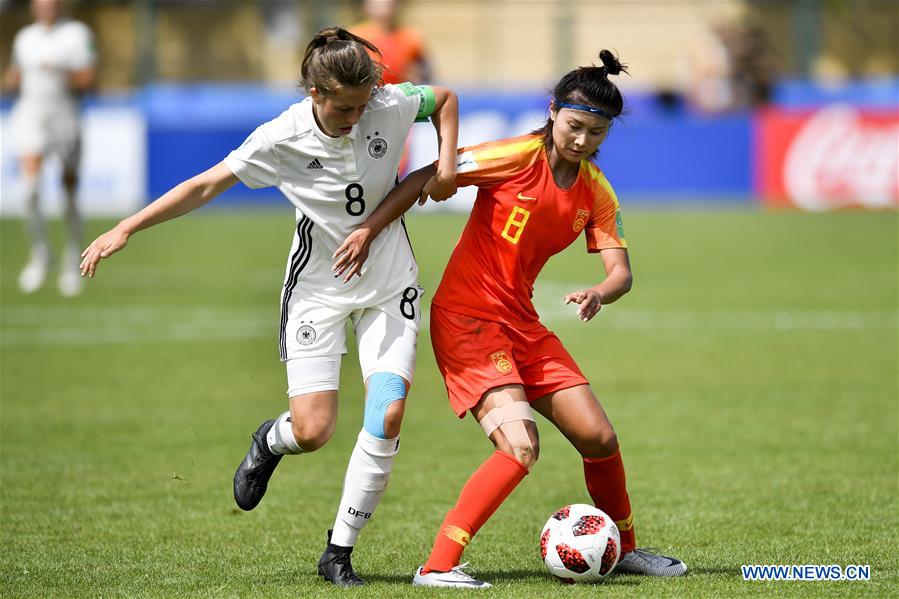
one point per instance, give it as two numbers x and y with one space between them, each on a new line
580 543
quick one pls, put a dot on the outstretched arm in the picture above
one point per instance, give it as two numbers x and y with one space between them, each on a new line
442 184
83 80
11 79
181 199
353 252
618 281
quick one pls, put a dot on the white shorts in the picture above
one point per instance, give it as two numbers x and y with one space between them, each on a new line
37 132
386 334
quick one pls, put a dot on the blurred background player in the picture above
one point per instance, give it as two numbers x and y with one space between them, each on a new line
402 47
537 193
53 63
334 156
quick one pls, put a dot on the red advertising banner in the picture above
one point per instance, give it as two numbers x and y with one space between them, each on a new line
833 157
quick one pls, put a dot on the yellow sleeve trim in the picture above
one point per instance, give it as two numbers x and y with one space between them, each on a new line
492 152
600 179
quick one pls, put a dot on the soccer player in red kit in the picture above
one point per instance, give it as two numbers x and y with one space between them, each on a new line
537 193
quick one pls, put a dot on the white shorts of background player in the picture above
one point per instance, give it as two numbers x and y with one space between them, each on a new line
41 132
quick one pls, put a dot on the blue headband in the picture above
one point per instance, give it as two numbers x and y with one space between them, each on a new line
585 108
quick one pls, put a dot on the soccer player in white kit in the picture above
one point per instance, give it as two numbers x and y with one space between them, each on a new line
53 62
335 157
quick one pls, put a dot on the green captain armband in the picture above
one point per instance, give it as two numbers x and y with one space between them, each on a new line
427 99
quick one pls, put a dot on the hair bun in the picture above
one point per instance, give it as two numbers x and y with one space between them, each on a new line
610 63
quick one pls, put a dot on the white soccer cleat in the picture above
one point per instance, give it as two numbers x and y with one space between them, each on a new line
33 275
649 563
454 578
70 283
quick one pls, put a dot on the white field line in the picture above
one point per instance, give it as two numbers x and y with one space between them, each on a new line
88 325
65 325
548 301
613 317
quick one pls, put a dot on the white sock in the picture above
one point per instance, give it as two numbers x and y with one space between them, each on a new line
280 437
37 229
74 228
366 478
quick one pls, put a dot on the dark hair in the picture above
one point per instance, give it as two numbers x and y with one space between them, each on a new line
590 86
335 57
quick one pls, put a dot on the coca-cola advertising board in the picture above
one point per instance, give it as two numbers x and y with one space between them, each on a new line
833 157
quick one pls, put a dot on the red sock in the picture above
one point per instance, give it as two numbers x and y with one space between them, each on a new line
484 492
606 485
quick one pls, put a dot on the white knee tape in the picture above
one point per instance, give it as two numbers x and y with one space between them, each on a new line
510 412
509 418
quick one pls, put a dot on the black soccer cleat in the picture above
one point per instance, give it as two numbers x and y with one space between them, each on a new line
251 478
335 567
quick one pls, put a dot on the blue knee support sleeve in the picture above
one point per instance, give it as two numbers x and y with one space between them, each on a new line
384 388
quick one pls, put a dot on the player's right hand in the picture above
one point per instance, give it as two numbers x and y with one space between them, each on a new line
352 254
438 189
103 246
589 303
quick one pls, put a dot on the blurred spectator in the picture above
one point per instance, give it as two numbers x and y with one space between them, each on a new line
753 64
53 63
731 68
829 71
708 86
283 38
402 47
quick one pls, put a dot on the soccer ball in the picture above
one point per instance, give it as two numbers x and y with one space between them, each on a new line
580 543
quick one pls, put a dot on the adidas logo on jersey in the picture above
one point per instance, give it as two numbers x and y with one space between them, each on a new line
314 165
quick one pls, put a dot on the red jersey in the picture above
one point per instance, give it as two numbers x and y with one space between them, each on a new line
519 220
400 49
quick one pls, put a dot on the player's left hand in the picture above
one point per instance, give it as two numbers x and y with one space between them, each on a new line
589 303
438 189
352 254
101 248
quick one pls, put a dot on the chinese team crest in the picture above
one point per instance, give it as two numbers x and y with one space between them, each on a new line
501 361
580 220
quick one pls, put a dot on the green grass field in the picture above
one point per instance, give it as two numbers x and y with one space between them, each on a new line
751 375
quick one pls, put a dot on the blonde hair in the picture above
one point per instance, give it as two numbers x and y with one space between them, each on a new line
337 58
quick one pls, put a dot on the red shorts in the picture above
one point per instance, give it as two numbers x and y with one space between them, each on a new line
476 355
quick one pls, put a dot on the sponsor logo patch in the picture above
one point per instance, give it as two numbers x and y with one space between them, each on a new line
466 163
501 361
358 513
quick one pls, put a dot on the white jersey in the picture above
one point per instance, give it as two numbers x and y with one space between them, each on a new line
335 184
45 56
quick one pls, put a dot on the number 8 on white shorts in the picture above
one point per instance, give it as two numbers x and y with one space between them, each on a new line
386 333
